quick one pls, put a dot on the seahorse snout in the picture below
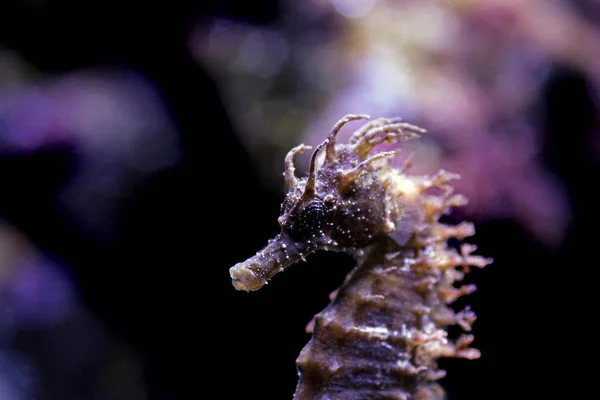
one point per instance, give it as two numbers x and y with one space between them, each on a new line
243 278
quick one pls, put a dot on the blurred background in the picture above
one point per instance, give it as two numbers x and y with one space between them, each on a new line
141 152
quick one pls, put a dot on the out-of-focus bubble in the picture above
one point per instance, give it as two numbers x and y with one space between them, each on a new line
353 8
219 40
262 52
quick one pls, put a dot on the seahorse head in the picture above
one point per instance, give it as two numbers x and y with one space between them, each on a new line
345 202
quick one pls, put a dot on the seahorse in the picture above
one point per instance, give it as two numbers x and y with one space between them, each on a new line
386 326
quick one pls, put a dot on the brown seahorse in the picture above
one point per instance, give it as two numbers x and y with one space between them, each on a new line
382 333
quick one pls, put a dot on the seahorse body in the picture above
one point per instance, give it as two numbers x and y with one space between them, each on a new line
384 329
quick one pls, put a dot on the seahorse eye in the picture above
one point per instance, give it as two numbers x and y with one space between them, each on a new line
308 220
313 214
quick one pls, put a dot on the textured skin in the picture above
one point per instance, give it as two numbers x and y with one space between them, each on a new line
384 329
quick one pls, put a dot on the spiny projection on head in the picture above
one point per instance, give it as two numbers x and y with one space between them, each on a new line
382 333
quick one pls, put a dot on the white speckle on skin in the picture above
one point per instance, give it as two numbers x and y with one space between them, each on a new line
377 332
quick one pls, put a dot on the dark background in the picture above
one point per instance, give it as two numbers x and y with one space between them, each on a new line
163 283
